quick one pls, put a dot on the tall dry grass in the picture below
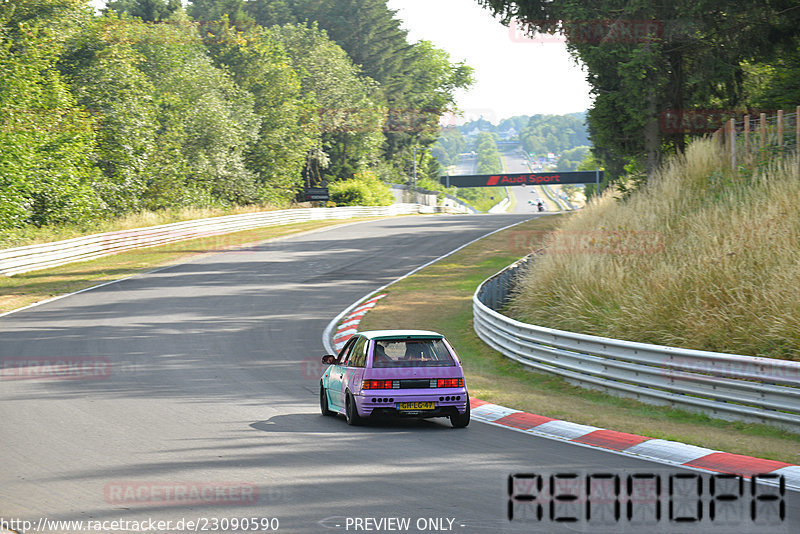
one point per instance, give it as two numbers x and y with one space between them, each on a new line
705 257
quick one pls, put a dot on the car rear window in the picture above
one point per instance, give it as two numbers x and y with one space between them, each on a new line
411 353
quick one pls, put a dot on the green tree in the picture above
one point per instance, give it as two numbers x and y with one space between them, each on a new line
691 56
450 144
489 161
47 141
349 114
433 82
569 160
148 10
206 122
554 133
774 85
417 81
259 64
105 77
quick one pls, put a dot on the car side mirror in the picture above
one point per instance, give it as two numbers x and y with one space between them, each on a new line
329 359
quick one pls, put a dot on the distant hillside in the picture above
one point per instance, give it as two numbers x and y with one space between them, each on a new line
538 134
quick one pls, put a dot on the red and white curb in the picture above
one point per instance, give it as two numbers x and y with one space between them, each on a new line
349 324
659 450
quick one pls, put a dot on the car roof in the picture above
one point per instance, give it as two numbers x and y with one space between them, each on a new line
401 334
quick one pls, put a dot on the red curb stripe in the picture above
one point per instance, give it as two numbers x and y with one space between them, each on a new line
343 338
611 439
726 462
523 420
340 332
367 304
474 403
722 462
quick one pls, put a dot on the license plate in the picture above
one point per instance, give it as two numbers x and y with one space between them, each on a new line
416 405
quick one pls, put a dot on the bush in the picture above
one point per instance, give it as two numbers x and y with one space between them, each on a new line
364 189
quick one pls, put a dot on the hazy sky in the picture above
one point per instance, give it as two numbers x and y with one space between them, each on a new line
513 75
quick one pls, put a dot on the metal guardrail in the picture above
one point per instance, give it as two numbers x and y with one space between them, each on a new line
562 203
457 204
35 257
727 386
502 206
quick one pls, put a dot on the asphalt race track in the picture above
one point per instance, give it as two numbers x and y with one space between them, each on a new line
205 403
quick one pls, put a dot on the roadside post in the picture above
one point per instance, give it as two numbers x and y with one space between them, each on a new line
597 182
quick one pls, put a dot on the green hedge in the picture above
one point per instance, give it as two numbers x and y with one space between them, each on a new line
364 189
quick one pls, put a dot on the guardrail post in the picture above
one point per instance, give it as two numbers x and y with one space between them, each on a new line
797 130
746 135
732 141
597 181
780 130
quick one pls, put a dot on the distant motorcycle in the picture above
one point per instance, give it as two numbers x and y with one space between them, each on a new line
540 206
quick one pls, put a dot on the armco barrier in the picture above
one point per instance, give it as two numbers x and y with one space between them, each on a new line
726 386
34 257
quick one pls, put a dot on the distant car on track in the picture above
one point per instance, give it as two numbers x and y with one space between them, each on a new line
395 373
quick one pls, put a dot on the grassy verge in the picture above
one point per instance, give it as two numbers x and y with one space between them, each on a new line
491 377
28 288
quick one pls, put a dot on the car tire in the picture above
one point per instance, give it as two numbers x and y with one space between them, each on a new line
350 411
323 402
461 420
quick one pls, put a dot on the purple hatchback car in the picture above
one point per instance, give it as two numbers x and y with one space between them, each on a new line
395 373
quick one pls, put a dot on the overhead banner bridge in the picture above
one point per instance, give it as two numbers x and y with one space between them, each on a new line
526 178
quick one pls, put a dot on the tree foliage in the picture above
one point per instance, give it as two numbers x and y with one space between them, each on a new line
553 133
417 81
646 57
450 144
146 106
147 10
489 160
348 114
47 141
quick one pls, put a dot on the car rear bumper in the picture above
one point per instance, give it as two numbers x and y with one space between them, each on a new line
444 411
384 403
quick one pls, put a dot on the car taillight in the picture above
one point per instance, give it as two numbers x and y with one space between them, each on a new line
376 384
450 383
